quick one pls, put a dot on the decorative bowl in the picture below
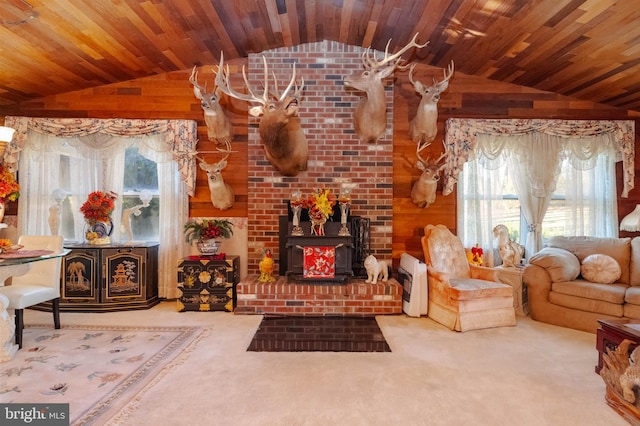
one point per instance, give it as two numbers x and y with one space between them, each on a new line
208 247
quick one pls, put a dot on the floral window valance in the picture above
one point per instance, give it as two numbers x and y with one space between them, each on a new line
461 139
180 136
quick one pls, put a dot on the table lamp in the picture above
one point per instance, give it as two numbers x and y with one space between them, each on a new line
59 195
145 197
631 222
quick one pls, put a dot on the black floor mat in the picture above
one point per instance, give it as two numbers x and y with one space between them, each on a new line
318 334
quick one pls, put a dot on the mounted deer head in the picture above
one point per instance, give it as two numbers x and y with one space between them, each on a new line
222 195
423 192
424 126
370 117
219 128
284 142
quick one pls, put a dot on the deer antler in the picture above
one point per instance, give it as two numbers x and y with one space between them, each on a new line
197 89
222 81
374 63
419 148
297 91
445 82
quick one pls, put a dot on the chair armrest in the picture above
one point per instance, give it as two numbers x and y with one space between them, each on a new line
440 276
483 273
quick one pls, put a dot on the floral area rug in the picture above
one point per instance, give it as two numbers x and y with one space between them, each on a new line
95 369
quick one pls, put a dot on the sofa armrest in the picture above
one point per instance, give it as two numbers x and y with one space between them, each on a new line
537 280
538 283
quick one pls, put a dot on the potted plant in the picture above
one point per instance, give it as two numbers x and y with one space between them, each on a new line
205 232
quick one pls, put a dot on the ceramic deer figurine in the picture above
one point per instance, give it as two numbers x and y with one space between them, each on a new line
423 192
424 126
284 142
219 128
222 195
370 118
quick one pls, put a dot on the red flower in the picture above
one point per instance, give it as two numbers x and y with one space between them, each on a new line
98 207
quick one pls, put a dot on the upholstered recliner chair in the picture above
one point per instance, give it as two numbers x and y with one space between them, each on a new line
462 297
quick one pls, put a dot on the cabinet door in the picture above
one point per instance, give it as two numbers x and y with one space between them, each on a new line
80 276
123 273
207 285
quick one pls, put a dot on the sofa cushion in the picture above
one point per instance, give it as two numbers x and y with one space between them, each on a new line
632 295
587 305
618 248
612 293
561 264
600 268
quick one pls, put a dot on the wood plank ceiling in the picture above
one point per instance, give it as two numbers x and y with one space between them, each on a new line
588 49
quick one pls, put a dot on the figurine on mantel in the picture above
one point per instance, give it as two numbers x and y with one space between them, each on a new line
266 267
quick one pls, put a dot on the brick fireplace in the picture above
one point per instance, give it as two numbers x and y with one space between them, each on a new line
337 159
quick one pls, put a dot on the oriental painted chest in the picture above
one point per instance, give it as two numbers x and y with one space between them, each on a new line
208 283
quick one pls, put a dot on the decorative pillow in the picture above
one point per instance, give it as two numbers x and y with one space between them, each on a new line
562 265
600 268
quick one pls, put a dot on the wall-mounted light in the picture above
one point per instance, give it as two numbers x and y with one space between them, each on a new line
631 222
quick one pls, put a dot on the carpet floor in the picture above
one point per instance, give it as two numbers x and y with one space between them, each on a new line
533 374
94 369
319 334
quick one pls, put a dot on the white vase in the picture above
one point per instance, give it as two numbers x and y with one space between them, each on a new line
208 247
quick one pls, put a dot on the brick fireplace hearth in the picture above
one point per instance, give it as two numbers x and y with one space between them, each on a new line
291 298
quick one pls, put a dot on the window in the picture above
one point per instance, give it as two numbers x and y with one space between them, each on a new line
139 174
583 203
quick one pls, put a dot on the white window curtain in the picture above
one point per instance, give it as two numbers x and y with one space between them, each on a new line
533 150
97 149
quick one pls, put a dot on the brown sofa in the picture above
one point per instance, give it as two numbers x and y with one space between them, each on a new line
558 296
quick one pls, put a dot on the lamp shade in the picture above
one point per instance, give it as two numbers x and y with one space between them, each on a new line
631 222
6 134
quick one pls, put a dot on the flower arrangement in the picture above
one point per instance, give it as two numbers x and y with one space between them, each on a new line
6 246
9 188
320 203
98 207
207 229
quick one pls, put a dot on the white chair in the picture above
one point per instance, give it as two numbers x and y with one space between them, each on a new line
40 284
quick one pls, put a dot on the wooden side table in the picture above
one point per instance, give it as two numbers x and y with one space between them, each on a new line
513 277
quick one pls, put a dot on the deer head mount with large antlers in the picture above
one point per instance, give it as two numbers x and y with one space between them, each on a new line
370 118
423 192
219 128
284 142
424 126
222 195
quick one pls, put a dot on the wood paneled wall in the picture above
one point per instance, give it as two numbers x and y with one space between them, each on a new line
170 96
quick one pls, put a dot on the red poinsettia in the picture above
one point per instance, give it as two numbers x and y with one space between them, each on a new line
98 207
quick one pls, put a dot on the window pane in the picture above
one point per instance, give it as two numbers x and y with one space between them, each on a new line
141 174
